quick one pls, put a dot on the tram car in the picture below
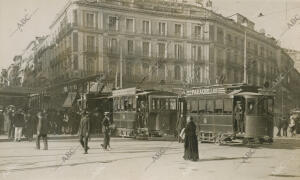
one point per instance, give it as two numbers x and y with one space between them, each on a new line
144 112
229 113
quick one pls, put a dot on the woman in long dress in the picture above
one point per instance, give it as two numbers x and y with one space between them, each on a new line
190 141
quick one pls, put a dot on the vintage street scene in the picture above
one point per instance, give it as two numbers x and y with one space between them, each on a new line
150 89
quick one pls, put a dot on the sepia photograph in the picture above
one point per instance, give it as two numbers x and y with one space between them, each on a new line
150 89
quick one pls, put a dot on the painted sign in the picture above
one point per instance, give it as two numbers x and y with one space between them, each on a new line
204 91
124 92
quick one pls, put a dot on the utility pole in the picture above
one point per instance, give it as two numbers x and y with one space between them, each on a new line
121 67
245 58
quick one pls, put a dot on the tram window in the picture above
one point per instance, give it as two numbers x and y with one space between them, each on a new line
129 104
202 105
133 103
262 106
163 104
122 103
167 104
228 106
153 104
194 106
188 106
172 104
251 106
219 106
210 106
270 105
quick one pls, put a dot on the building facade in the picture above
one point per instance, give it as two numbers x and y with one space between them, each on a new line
152 44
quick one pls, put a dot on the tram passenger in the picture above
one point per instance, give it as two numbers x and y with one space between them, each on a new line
238 110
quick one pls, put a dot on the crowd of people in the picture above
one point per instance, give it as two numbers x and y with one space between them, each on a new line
18 122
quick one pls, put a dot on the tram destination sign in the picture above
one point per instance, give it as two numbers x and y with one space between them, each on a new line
203 91
124 92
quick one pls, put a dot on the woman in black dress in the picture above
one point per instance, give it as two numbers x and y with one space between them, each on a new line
190 141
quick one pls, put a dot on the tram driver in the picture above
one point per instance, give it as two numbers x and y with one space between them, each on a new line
239 117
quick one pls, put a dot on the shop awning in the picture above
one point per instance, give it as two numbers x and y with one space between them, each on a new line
70 100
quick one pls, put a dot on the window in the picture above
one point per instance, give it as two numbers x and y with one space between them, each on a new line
255 49
162 28
197 30
130 46
196 53
262 51
172 104
146 27
75 17
202 105
146 48
228 105
75 41
178 29
178 51
177 72
251 106
219 106
210 105
229 40
75 62
129 70
113 45
194 106
113 23
90 20
199 53
220 35
161 50
129 25
90 43
197 73
211 32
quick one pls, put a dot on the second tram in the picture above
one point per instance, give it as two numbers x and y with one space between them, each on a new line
225 113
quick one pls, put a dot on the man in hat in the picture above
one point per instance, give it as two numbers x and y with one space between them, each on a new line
106 130
42 129
84 131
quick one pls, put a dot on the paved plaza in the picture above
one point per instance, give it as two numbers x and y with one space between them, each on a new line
134 160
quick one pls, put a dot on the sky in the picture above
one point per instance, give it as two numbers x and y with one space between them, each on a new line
277 13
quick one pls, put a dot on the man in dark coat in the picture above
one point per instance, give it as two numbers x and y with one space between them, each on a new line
106 130
190 141
84 131
28 125
42 129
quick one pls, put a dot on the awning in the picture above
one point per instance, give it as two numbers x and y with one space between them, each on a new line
142 93
70 100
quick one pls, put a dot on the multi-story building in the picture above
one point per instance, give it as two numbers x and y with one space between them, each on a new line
295 55
167 42
153 44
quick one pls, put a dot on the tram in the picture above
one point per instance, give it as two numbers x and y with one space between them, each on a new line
214 110
144 112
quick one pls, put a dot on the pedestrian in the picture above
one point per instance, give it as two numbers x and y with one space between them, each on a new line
42 129
106 130
66 123
284 125
19 124
84 131
279 123
190 141
28 125
11 128
292 125
181 122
